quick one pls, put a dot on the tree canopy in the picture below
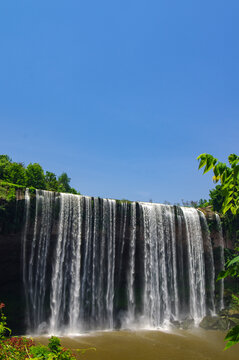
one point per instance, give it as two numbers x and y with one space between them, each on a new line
33 176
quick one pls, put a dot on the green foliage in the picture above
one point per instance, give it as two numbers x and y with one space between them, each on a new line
52 352
20 348
15 173
217 196
4 161
8 191
232 337
235 302
35 176
7 184
40 352
54 344
226 200
123 201
74 191
51 181
4 330
231 268
64 182
228 176
15 348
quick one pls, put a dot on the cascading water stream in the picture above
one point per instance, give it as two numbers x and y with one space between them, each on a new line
99 264
34 271
156 299
65 284
131 272
197 302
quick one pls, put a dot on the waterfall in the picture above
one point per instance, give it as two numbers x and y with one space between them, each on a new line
131 272
197 302
91 263
35 260
158 264
65 284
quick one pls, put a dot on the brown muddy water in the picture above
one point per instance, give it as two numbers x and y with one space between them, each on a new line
196 344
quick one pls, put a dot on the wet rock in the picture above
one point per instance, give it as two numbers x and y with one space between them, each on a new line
215 323
188 323
176 324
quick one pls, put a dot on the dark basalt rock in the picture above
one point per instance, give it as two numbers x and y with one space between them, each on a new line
216 323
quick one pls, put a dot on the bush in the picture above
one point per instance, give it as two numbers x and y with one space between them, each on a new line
21 348
15 348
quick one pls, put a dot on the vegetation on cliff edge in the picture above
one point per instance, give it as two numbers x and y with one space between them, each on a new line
16 174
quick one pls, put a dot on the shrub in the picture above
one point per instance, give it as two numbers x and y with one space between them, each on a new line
21 348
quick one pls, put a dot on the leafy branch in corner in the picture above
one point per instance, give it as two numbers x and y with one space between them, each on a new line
227 175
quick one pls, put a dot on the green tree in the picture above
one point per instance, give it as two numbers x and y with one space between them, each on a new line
64 183
217 198
4 162
15 173
51 181
74 191
35 176
228 197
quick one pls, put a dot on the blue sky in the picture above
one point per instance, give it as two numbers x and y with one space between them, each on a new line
122 95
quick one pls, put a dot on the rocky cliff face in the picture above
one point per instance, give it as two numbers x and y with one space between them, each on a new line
11 289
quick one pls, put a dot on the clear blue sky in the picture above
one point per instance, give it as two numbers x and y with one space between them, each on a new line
122 95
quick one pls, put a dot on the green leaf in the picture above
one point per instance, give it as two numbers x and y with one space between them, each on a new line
228 200
209 165
226 208
216 171
232 158
222 274
224 177
201 156
202 163
234 164
236 172
233 261
233 334
221 167
229 344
